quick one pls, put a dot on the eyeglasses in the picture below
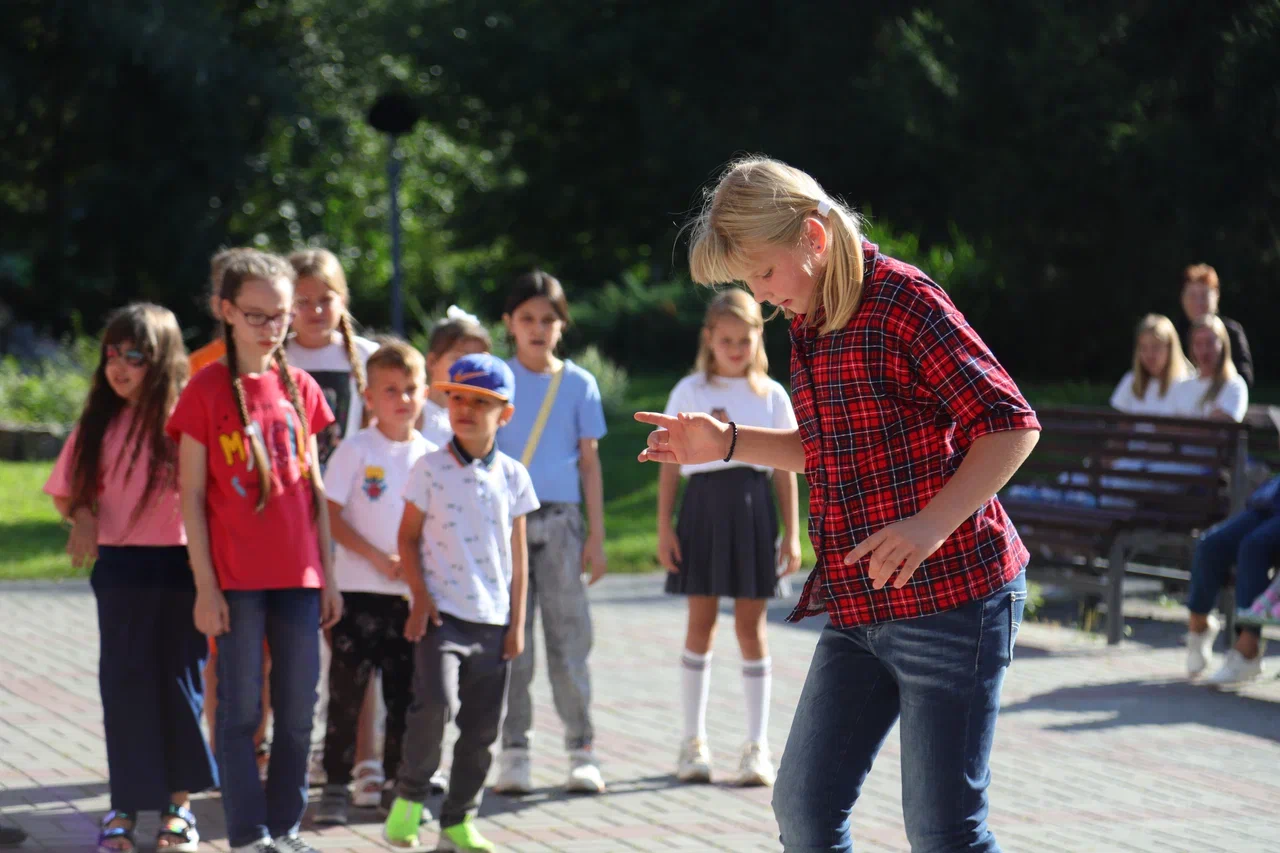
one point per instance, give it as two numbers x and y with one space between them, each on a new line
132 357
257 318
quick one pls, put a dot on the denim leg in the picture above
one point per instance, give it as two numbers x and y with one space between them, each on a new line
238 714
949 668
293 633
1257 553
1215 554
848 705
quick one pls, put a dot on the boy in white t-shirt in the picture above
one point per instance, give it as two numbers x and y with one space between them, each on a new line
465 557
365 482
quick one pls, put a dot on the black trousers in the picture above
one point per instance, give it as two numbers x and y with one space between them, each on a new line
368 639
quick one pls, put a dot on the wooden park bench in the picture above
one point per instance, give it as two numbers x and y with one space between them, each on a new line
1085 516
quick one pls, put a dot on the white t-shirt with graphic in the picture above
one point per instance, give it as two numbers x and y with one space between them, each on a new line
470 510
367 475
331 369
1189 399
435 424
731 400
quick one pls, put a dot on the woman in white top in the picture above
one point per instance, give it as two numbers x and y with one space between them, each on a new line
1217 391
1158 367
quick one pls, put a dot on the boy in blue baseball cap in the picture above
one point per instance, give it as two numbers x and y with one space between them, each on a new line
465 557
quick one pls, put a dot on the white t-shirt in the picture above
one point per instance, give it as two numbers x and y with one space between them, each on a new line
731 400
331 369
470 509
435 424
367 475
1232 399
1151 403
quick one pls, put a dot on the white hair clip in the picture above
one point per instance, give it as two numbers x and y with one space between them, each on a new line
824 207
457 314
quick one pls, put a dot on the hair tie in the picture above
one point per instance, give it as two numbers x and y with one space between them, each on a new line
824 207
457 314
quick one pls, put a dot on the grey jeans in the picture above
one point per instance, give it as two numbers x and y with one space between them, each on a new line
555 535
458 674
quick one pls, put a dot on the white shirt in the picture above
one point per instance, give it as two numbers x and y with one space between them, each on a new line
731 400
1232 399
367 475
1151 403
331 369
435 424
470 510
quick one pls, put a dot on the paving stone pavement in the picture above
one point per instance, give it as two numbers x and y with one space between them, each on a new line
1098 749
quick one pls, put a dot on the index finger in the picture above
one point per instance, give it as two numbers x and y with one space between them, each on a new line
657 419
865 547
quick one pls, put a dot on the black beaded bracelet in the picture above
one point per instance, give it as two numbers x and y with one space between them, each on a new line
734 442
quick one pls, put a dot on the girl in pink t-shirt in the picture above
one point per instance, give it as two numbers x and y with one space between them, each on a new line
260 550
116 482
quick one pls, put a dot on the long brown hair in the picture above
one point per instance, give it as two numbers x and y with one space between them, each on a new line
737 303
263 267
1225 369
154 332
323 265
1176 368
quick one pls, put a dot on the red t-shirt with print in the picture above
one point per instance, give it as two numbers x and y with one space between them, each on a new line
279 547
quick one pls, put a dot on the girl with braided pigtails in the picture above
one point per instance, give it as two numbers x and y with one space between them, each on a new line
259 545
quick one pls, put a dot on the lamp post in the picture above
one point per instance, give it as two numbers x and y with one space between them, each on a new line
395 114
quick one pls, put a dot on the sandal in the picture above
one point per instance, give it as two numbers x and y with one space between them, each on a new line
115 832
188 838
368 780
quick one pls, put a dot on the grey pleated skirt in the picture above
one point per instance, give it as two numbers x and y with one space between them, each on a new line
728 531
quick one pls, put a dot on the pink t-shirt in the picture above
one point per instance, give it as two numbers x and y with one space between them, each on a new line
278 548
120 490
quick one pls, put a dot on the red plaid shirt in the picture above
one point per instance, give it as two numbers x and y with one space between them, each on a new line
887 408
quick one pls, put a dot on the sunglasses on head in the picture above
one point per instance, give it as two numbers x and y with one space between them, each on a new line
132 357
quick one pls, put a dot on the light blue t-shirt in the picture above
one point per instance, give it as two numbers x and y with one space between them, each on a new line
577 414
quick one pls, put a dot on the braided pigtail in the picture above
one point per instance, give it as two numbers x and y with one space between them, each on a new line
282 365
357 369
256 446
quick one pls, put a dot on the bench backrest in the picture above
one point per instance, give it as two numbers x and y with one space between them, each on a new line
1190 472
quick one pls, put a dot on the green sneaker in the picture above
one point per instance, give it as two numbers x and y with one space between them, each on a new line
463 838
401 828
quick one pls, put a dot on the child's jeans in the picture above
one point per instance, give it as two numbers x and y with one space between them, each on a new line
556 588
150 673
942 675
1249 540
289 619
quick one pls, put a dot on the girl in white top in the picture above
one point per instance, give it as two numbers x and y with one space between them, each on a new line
1217 391
325 345
1158 366
725 543
458 334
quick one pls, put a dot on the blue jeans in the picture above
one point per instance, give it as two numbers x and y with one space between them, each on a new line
1249 540
942 675
289 619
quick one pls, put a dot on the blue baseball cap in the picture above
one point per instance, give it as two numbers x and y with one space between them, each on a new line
481 373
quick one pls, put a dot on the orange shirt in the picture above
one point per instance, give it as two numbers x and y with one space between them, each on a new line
207 355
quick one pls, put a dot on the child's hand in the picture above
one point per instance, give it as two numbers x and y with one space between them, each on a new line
668 549
388 566
421 613
905 544
687 438
789 556
513 644
212 616
330 606
594 562
82 544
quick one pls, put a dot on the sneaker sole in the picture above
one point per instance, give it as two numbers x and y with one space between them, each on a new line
755 780
582 788
696 777
327 820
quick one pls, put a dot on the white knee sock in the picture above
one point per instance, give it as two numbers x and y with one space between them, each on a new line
757 680
695 687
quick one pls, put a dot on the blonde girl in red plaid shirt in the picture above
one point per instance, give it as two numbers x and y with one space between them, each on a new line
908 427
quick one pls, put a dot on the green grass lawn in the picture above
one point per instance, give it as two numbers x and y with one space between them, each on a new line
32 538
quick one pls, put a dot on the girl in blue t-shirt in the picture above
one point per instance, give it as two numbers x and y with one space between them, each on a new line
558 421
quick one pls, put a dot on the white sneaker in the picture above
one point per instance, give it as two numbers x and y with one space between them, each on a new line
293 844
756 768
1200 647
515 772
266 845
584 773
694 764
1236 669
